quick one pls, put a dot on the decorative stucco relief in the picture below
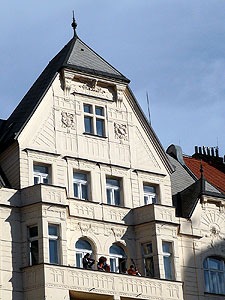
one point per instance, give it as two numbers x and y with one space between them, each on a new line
121 131
67 120
92 89
213 223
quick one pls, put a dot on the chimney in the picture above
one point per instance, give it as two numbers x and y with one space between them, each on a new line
217 152
200 150
208 151
212 151
204 152
196 149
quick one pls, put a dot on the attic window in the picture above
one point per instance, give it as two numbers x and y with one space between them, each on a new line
81 49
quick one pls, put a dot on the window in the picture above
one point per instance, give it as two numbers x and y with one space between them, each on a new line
167 259
41 174
82 247
118 259
150 195
80 185
33 245
148 259
113 191
53 235
214 273
94 120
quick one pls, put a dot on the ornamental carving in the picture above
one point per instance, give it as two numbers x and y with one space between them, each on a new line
121 131
67 120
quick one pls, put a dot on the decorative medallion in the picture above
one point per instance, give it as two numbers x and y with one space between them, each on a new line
67 120
121 131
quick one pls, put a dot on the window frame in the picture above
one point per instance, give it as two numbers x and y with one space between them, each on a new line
41 175
82 252
113 189
150 195
209 271
81 182
170 256
94 117
115 258
56 238
29 241
148 256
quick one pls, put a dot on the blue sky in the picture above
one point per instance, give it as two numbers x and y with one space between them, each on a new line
174 49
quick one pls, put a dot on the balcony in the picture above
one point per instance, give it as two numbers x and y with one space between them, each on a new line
96 282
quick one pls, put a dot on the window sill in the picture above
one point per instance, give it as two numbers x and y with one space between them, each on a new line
83 200
95 135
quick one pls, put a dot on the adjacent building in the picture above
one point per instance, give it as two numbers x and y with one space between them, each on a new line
82 171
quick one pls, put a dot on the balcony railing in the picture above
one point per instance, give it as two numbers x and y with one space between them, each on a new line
96 282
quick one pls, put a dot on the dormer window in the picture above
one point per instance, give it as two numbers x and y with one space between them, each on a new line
94 120
150 194
41 174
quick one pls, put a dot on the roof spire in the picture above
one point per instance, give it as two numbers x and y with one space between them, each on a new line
74 25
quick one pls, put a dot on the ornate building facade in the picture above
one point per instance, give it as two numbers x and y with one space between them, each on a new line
82 171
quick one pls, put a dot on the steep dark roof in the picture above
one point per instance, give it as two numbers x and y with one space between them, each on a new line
75 55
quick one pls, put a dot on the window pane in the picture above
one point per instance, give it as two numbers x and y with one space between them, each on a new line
36 180
167 267
41 169
206 275
214 288
33 231
84 245
34 252
166 247
115 249
88 125
100 127
221 282
112 264
149 267
109 196
45 180
84 191
80 176
53 230
53 251
87 108
147 249
113 182
75 189
79 260
99 111
149 189
117 197
215 264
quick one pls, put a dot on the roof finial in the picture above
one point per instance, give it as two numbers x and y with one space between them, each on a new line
74 25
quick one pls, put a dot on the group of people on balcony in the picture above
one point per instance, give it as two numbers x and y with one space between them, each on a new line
102 265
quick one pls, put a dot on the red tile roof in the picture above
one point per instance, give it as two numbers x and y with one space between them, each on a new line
211 174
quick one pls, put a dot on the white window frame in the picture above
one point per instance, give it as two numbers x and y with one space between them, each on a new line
146 256
115 259
82 252
54 238
170 255
94 118
150 195
220 290
41 176
112 189
30 240
79 183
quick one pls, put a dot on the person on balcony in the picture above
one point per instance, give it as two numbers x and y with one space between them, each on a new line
102 264
88 261
133 271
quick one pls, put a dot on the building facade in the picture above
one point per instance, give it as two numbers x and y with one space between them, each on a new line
82 172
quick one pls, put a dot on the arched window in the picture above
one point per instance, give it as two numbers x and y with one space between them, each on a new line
214 272
82 247
118 259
